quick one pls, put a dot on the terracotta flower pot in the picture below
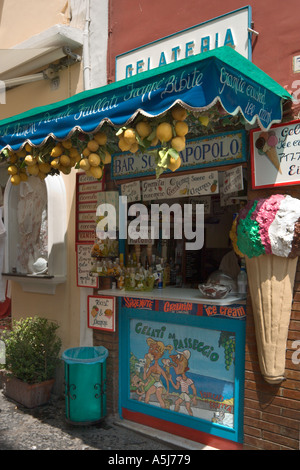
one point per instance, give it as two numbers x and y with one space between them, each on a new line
28 395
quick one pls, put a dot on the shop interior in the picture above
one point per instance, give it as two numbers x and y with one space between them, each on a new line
188 268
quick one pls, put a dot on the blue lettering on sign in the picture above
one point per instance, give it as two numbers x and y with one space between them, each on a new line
162 60
221 149
175 53
189 48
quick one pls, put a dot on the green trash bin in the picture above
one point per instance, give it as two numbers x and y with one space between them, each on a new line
85 384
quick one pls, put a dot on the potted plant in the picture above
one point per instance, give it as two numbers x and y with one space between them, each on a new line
32 350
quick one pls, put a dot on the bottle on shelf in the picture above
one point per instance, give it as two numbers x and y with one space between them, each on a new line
242 279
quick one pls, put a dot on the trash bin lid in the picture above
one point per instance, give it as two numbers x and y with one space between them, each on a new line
85 355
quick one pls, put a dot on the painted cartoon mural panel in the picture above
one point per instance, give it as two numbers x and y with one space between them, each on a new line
183 369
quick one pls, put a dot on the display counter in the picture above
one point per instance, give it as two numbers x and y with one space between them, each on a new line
175 294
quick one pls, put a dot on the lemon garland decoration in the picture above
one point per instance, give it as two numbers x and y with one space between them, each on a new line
163 137
169 132
82 151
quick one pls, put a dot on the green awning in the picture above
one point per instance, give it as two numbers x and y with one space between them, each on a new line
197 83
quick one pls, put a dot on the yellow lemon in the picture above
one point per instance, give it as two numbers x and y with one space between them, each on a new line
84 164
73 152
44 167
134 147
181 128
129 136
178 143
66 170
67 144
164 132
124 145
33 170
12 170
56 151
55 163
174 164
15 180
94 159
73 161
65 160
107 158
86 152
23 176
30 160
179 113
13 158
143 129
204 120
96 172
21 153
28 148
93 145
100 138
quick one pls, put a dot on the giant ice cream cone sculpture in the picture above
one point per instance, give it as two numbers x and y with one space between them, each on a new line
266 232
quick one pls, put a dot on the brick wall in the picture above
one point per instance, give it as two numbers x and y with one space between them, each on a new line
272 412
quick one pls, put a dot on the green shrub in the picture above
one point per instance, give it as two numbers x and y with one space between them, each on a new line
32 349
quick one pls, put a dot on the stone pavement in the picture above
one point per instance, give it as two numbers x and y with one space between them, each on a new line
45 428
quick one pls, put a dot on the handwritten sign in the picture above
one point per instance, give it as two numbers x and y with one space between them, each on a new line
84 266
132 191
275 156
233 180
202 184
154 189
87 196
101 312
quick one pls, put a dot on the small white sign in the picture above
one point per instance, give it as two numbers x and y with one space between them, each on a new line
101 312
132 191
202 184
233 180
154 189
230 29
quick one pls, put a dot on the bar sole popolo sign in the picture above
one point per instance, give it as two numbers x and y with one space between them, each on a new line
275 156
205 152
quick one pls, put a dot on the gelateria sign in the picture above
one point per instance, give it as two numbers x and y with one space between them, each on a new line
226 30
204 152
275 156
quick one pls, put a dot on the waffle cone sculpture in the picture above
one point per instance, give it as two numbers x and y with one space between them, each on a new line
267 233
271 282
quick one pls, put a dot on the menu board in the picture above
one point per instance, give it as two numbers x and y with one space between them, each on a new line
88 191
275 156
199 184
84 266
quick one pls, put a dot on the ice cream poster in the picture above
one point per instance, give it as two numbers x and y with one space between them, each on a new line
183 369
275 156
101 312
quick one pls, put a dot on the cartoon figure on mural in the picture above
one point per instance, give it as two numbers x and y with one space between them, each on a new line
180 364
155 371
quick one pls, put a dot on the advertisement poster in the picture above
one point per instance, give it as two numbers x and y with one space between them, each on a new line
275 156
183 369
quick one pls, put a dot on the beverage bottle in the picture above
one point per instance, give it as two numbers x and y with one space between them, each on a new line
242 280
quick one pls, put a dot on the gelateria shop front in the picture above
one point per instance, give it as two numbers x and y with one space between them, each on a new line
163 169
